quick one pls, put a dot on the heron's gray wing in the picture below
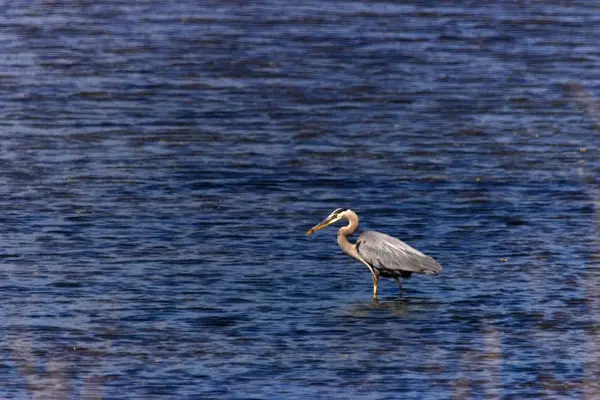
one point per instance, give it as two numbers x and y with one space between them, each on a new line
390 255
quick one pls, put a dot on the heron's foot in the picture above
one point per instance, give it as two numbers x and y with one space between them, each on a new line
375 283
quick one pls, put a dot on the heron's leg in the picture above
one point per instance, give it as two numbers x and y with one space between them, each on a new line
375 282
399 285
374 275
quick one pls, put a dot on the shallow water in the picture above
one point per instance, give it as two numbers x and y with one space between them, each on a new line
161 164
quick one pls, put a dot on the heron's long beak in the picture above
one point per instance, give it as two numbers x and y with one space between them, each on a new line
322 225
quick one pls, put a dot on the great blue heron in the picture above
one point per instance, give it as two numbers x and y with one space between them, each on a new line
384 255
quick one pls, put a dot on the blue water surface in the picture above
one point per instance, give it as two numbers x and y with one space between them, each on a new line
162 161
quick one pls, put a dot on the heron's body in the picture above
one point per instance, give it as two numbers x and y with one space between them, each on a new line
384 255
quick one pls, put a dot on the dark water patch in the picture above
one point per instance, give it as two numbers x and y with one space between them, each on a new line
67 284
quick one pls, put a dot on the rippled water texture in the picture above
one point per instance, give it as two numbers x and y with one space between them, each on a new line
162 161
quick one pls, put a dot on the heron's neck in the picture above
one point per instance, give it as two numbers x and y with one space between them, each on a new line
345 232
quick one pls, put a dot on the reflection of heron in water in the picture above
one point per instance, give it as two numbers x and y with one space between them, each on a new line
384 255
412 308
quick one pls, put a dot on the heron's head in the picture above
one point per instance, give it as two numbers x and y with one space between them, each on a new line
332 218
